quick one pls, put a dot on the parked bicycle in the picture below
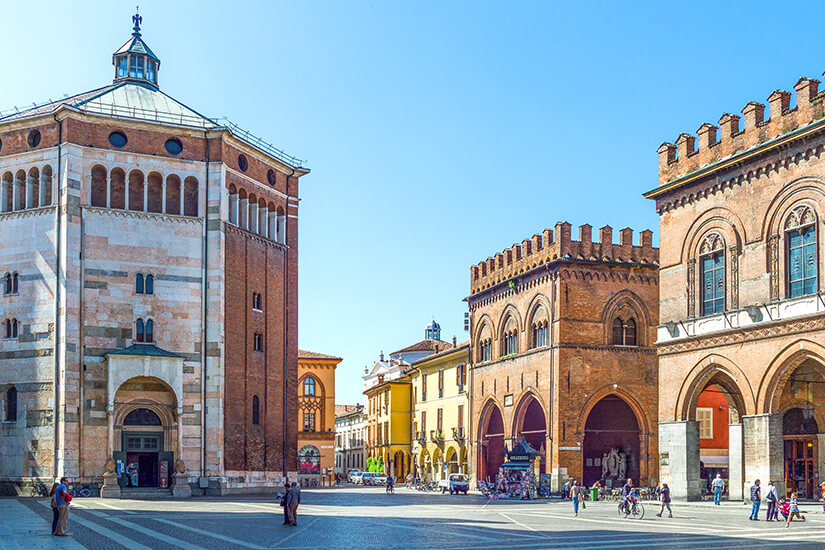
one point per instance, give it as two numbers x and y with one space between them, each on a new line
39 489
84 491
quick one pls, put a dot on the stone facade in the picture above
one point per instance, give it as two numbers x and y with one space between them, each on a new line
750 203
542 317
135 277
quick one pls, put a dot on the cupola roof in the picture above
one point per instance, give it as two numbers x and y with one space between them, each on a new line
135 61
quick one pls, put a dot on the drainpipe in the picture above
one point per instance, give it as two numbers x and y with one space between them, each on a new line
58 443
286 329
81 346
204 249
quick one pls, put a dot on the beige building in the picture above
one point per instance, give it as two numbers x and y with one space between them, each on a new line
440 413
316 416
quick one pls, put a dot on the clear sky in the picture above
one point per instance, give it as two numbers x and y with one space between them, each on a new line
438 133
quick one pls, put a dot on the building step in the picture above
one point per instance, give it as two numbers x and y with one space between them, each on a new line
145 492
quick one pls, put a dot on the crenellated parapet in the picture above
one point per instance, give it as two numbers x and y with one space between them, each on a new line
558 244
736 134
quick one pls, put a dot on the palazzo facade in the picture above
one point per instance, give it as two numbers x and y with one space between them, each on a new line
741 308
562 344
149 305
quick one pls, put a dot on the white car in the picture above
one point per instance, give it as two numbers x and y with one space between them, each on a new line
353 475
457 483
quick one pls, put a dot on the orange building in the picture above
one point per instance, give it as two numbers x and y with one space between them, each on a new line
316 416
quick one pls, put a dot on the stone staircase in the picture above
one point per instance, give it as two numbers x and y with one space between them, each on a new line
145 493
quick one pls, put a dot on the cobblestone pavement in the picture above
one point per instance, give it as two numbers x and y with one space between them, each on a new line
367 518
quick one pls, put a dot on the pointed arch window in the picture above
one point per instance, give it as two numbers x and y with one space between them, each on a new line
7 284
150 331
802 260
140 331
624 332
150 284
509 338
712 274
139 284
309 387
256 410
15 283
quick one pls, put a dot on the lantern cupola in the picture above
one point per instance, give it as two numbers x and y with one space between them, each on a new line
134 61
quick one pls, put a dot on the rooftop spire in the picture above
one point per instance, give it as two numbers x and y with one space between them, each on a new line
137 20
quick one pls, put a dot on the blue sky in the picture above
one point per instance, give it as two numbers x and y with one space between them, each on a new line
438 133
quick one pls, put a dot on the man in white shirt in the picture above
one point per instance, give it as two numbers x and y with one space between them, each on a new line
718 486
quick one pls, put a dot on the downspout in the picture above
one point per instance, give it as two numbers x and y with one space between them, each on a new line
82 343
286 329
58 465
204 249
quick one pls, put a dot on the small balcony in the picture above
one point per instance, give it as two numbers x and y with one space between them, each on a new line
437 437
458 434
421 437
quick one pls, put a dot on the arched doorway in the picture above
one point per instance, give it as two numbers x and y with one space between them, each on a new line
491 449
452 461
309 460
531 425
399 464
611 450
438 465
143 443
425 466
799 432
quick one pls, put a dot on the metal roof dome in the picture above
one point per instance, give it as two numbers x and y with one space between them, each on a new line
135 61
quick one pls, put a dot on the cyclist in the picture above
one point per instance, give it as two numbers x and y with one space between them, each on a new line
390 484
626 490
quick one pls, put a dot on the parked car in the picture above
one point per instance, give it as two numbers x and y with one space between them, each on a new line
456 483
352 474
355 477
379 479
367 478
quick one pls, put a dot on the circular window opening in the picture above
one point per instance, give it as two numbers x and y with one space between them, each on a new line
174 146
243 164
34 138
270 176
118 139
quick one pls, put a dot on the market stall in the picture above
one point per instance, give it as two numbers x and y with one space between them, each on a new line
516 478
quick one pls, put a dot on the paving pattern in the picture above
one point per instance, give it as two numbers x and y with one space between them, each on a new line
367 518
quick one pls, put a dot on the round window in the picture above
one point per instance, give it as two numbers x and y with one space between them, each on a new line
34 138
270 177
173 146
118 139
243 164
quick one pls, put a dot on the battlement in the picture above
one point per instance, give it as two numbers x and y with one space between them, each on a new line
548 246
684 157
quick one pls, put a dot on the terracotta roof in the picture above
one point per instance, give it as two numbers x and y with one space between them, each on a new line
344 409
451 349
304 354
434 346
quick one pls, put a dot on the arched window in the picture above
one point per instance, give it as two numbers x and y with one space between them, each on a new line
258 342
800 239
150 329
139 284
150 284
309 386
624 332
509 337
712 274
14 328
256 301
7 284
485 344
256 410
11 404
140 335
99 183
15 283
8 328
142 417
309 460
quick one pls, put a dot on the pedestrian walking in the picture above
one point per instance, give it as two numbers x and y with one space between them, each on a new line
575 492
718 486
794 510
771 497
822 497
53 504
756 499
293 499
283 503
664 496
62 499
565 489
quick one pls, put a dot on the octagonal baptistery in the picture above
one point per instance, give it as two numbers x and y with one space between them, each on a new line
149 277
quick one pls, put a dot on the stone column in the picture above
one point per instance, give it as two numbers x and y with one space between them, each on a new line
179 453
110 440
735 470
163 197
253 218
764 449
679 458
4 197
43 190
820 456
263 216
18 198
145 195
126 193
108 189
29 192
243 213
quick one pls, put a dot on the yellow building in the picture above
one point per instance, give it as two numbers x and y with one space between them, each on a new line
440 413
388 431
316 416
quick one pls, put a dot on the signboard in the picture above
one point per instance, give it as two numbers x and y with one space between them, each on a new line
570 448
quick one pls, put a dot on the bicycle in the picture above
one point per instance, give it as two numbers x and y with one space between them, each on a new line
631 507
39 489
84 491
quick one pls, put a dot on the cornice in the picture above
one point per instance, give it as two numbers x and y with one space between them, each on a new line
142 215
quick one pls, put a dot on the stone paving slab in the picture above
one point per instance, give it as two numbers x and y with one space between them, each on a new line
21 528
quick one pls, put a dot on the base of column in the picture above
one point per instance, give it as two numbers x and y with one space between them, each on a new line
110 488
180 486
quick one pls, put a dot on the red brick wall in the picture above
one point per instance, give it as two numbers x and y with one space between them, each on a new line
713 398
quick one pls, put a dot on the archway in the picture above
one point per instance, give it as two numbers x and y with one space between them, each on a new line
530 424
399 464
452 461
425 466
144 432
438 465
491 448
309 460
611 449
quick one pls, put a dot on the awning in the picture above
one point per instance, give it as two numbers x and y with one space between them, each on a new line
714 461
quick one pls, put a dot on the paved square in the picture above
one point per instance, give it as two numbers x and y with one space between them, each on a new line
367 518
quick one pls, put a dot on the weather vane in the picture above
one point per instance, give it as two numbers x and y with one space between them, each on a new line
137 20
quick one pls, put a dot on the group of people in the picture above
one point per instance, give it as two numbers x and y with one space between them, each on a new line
290 499
577 493
789 508
60 499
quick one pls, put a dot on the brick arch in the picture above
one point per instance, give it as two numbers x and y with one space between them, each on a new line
805 188
540 299
718 219
318 384
781 368
717 370
628 397
802 404
620 301
509 310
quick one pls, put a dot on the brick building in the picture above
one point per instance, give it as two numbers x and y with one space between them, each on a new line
316 415
561 335
740 302
151 304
